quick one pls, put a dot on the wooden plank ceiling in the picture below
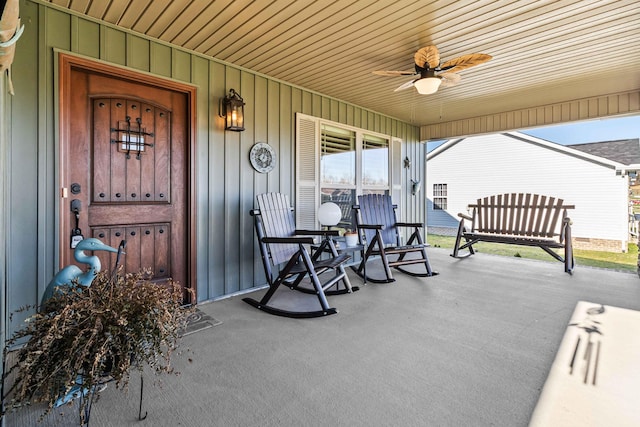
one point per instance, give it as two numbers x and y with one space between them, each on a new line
543 51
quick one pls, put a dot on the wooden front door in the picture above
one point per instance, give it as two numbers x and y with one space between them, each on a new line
125 152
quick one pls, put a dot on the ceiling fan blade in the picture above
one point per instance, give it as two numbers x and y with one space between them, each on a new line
394 73
449 79
406 85
465 61
427 57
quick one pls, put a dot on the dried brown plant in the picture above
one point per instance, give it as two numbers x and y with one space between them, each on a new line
83 333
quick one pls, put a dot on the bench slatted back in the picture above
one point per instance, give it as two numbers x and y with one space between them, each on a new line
377 209
276 219
519 214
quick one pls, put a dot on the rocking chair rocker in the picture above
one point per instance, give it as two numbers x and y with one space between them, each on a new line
280 243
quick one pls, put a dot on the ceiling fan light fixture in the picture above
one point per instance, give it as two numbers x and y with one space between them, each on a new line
428 85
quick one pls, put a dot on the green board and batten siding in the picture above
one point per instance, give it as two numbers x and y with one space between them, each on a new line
226 184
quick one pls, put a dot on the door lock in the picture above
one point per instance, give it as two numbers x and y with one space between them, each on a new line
76 233
76 188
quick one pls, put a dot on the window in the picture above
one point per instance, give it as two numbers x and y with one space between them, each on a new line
337 157
439 197
336 162
342 153
338 169
375 163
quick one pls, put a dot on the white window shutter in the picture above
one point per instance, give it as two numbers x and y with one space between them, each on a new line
395 154
307 179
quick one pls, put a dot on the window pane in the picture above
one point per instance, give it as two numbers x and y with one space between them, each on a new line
338 156
383 192
439 203
375 161
344 199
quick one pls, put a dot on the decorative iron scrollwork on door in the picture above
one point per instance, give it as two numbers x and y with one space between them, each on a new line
130 137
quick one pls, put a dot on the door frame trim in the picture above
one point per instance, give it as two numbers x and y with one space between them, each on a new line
66 62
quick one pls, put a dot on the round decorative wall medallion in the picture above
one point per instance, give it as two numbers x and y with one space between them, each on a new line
262 157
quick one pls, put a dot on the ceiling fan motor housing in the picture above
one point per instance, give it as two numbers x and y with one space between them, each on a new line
426 72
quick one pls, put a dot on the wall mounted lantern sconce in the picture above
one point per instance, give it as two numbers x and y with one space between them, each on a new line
233 110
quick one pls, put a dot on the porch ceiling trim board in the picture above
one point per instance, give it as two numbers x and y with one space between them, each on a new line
617 104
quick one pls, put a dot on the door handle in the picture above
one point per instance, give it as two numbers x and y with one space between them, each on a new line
76 233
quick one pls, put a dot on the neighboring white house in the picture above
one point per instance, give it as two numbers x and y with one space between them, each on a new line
462 170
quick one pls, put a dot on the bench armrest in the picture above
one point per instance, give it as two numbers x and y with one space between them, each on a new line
465 216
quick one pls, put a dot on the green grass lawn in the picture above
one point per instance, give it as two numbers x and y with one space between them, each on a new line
615 261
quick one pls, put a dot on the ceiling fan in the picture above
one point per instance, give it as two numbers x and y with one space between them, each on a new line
433 73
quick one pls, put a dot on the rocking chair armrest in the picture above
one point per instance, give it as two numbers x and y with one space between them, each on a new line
317 232
409 224
371 226
465 216
292 239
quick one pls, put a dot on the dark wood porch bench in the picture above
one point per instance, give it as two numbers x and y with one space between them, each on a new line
518 219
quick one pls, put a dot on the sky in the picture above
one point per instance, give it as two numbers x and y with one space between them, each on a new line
581 132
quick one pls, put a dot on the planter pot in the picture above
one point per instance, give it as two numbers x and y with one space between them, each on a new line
351 239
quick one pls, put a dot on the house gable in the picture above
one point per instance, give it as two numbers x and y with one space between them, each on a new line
582 153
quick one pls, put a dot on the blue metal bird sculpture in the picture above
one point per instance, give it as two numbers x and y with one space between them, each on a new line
71 272
65 277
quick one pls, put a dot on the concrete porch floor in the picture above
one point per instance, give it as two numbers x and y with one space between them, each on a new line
469 347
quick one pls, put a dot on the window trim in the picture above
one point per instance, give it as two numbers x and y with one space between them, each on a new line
440 193
306 210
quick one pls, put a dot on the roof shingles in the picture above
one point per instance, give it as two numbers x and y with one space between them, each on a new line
625 151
